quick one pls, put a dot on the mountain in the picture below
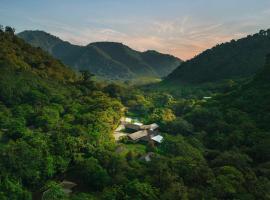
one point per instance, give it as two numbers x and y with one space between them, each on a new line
106 59
231 60
16 53
254 97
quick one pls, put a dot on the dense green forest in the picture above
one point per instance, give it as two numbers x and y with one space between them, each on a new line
231 60
57 125
108 60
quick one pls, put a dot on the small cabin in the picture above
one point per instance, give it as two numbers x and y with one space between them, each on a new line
158 139
139 135
125 120
147 157
67 186
151 127
207 98
134 126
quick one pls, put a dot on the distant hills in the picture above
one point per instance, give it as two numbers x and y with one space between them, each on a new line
109 60
231 60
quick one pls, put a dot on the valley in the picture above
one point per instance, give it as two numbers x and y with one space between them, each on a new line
192 135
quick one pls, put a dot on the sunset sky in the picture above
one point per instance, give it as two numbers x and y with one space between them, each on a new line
183 28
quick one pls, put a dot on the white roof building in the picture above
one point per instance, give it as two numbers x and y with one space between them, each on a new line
138 123
157 138
126 120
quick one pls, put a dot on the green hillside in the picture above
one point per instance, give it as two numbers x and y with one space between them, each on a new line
232 60
49 119
254 97
109 60
16 53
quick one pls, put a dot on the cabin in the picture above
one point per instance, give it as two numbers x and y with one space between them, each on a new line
125 120
207 98
139 135
158 139
67 186
147 157
145 135
134 126
151 127
120 128
137 131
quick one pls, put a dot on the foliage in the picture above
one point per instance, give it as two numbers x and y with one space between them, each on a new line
54 128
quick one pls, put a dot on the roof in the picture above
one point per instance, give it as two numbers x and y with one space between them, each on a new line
67 184
137 135
126 119
147 157
133 126
66 187
157 138
138 123
120 128
153 126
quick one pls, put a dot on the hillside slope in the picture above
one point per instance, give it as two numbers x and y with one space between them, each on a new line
46 120
106 59
20 55
254 97
231 60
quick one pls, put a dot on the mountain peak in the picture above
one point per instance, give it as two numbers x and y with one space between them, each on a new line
111 60
231 60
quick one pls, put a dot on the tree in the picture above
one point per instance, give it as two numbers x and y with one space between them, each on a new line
91 173
160 174
130 156
179 126
1 28
176 191
10 30
83 196
54 192
236 159
228 183
12 189
131 191
86 75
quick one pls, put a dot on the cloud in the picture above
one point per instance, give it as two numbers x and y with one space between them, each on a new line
183 37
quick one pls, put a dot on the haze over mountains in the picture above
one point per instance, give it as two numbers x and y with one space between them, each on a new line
231 60
109 60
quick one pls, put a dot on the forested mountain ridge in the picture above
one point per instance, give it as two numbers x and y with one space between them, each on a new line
231 60
20 55
106 59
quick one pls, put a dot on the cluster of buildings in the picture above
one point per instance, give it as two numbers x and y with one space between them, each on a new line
137 131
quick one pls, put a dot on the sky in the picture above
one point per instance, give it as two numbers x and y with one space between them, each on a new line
183 28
